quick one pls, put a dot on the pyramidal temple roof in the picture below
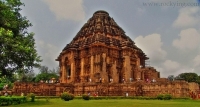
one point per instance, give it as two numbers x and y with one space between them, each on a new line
101 28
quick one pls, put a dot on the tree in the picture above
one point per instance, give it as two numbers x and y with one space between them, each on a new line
26 77
17 45
198 81
43 69
46 74
190 77
171 77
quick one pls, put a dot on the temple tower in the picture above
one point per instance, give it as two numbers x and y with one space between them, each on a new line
101 52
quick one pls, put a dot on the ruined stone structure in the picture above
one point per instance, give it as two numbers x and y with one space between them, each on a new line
136 88
102 60
101 52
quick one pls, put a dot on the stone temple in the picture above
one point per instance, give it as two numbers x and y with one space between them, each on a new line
102 52
101 59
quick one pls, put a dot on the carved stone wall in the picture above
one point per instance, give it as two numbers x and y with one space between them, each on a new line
40 89
139 88
101 66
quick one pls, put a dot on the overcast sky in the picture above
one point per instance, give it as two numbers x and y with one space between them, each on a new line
168 31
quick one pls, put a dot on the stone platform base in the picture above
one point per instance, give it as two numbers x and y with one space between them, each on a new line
138 88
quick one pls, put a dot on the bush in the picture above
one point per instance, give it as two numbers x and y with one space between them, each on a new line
12 100
2 85
86 97
67 96
164 97
160 97
32 96
71 96
167 97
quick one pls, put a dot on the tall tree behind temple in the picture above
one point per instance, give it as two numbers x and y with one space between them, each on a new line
190 77
17 45
46 74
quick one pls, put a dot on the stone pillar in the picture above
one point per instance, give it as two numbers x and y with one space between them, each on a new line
92 69
82 70
58 91
63 78
72 72
115 74
138 67
104 73
127 68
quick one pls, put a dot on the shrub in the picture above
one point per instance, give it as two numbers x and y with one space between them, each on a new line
2 85
86 97
164 97
11 100
160 97
67 96
32 96
167 97
71 96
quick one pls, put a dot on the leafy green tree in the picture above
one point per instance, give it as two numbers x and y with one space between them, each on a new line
46 74
198 81
17 45
190 77
5 81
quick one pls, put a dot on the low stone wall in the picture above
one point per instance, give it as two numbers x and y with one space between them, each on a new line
40 89
139 88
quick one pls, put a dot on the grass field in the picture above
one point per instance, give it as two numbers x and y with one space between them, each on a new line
110 103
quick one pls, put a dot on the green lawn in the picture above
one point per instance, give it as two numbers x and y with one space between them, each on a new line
110 103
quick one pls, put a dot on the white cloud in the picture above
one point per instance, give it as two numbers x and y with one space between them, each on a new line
151 45
168 67
67 9
196 61
187 17
184 70
189 39
171 66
